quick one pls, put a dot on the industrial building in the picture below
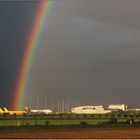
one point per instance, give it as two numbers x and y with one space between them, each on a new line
117 107
90 110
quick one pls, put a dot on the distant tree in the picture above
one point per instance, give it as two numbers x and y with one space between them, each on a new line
4 115
106 115
47 123
77 115
119 115
69 115
23 117
35 120
130 121
113 115
14 115
27 124
131 115
113 120
125 115
83 123
85 115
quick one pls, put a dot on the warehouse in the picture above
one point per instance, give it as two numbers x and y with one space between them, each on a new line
118 107
90 110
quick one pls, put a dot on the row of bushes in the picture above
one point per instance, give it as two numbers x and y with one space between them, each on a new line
77 115
112 120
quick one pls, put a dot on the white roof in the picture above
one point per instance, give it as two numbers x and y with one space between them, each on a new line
88 106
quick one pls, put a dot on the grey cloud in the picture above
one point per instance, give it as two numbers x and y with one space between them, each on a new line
89 53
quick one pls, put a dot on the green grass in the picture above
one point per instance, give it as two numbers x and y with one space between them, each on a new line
60 120
42 121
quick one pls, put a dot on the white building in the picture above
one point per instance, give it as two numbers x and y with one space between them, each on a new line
134 109
90 110
117 107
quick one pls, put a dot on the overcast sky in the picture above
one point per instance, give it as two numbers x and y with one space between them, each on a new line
88 53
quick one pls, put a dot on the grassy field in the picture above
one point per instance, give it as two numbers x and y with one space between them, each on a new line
65 119
70 126
43 121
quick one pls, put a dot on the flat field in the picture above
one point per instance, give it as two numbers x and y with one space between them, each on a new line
70 126
61 120
78 133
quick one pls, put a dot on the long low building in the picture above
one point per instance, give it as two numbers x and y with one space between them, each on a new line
90 110
117 107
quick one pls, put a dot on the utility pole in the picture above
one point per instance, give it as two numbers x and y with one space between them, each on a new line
62 106
68 106
30 102
37 102
71 104
58 107
52 105
45 103
79 104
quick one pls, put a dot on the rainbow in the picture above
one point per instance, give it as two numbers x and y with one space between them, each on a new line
29 53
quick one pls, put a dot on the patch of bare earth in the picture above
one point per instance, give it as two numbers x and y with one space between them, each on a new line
126 133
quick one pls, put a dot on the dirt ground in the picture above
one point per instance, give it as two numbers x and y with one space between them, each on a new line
98 133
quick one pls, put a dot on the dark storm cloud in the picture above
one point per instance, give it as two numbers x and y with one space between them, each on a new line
90 53
15 19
